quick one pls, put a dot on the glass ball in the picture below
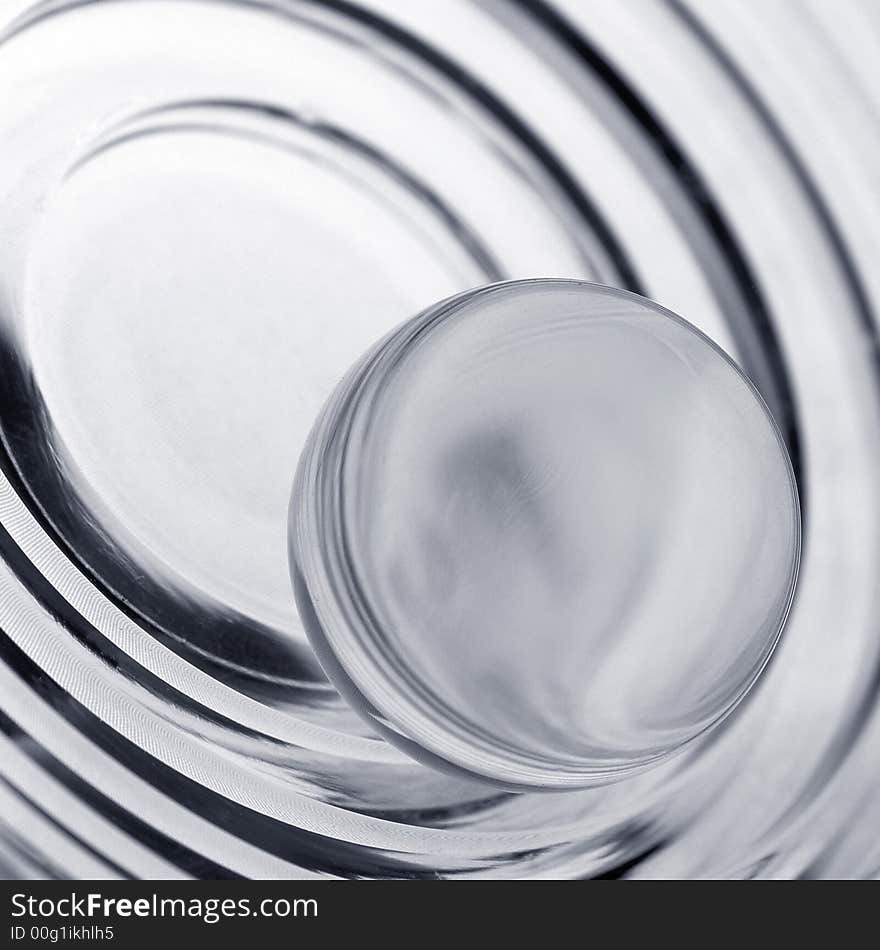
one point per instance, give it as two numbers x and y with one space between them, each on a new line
545 533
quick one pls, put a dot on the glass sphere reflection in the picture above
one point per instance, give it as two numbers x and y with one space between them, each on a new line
545 533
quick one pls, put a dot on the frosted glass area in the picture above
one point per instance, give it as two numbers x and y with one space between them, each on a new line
549 533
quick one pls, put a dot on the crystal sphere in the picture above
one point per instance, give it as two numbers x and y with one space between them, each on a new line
545 533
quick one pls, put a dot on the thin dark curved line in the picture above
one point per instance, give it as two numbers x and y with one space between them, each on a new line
481 255
804 178
11 843
508 118
861 715
814 195
229 622
464 80
620 870
26 437
694 187
8 728
186 860
84 632
288 842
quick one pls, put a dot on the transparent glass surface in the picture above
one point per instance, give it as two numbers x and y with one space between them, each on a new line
547 532
208 210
